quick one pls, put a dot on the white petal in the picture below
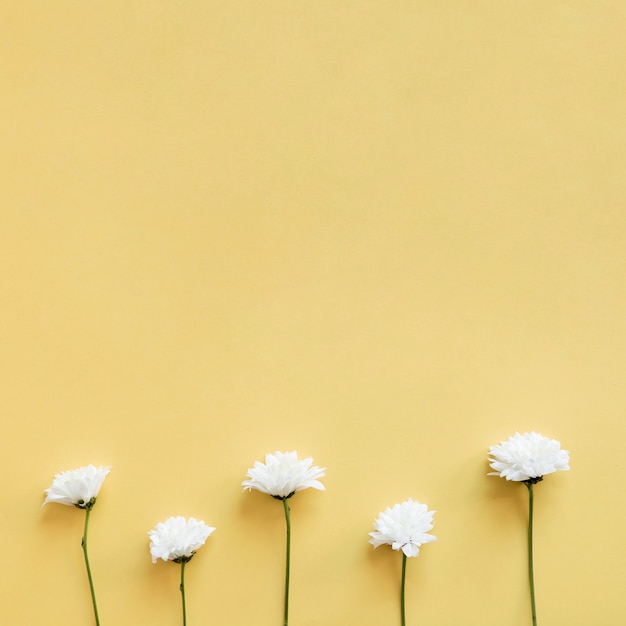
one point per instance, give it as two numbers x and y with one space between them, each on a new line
410 549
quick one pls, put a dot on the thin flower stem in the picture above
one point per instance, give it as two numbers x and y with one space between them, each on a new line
288 560
402 612
182 591
531 576
84 545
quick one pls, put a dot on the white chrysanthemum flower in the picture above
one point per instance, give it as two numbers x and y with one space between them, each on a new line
79 487
177 539
404 527
283 474
527 457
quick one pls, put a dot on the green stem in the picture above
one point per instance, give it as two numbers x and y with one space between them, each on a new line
402 612
84 545
531 576
182 591
288 560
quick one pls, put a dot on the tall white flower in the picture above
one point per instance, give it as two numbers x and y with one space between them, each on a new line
404 527
177 539
527 457
283 474
79 487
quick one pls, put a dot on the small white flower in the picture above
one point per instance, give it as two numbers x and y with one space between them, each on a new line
404 527
527 457
283 474
177 539
79 487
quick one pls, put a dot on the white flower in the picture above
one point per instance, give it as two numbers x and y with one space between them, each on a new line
527 457
79 487
404 527
177 539
282 475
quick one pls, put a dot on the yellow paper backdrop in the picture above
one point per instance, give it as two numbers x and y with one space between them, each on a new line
384 234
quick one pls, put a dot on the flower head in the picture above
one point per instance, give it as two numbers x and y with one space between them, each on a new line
283 474
79 487
177 539
404 527
527 457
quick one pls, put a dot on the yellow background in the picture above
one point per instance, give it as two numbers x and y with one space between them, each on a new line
384 234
